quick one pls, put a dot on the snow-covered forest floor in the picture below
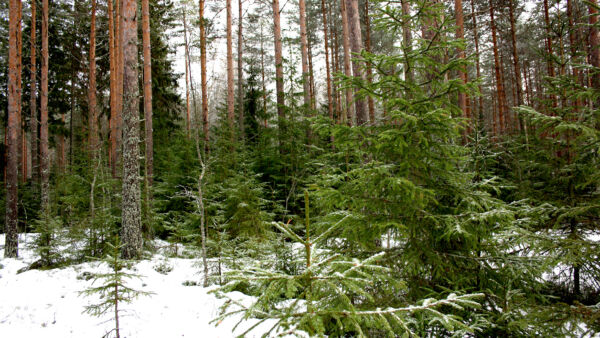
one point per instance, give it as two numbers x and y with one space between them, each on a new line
47 303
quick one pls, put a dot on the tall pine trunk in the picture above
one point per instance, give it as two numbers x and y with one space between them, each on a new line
118 118
498 72
230 89
21 135
113 85
370 102
347 71
477 60
93 118
335 65
279 71
356 45
460 34
407 39
549 48
147 96
594 41
573 43
33 121
132 230
304 47
12 134
187 75
203 78
240 70
44 152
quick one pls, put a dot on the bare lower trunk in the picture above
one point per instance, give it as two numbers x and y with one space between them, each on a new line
356 46
240 71
230 89
279 71
477 60
113 86
147 96
44 160
132 230
187 74
33 121
498 71
12 237
594 41
203 78
346 43
460 34
21 131
369 70
304 48
92 118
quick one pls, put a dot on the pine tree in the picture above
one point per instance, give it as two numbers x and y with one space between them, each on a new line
12 132
132 229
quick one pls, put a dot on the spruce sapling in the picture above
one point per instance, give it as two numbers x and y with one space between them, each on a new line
113 290
330 296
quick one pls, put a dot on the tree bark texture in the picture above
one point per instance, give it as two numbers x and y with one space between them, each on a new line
356 45
113 86
498 71
370 101
12 135
33 121
203 78
240 70
347 71
230 87
304 48
132 230
93 118
279 70
44 151
147 93
460 34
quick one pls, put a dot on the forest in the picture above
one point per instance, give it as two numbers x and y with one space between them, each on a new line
326 168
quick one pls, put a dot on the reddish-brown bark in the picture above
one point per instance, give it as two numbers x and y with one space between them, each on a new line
460 34
594 41
33 121
92 117
147 93
230 89
347 117
240 70
44 151
370 102
187 75
497 69
113 87
12 134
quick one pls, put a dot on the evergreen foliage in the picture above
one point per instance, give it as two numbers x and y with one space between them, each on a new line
112 290
331 295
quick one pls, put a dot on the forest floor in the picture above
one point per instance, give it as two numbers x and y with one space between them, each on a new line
48 303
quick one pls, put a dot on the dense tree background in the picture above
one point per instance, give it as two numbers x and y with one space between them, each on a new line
498 199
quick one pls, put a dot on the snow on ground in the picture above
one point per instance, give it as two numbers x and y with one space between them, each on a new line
47 303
